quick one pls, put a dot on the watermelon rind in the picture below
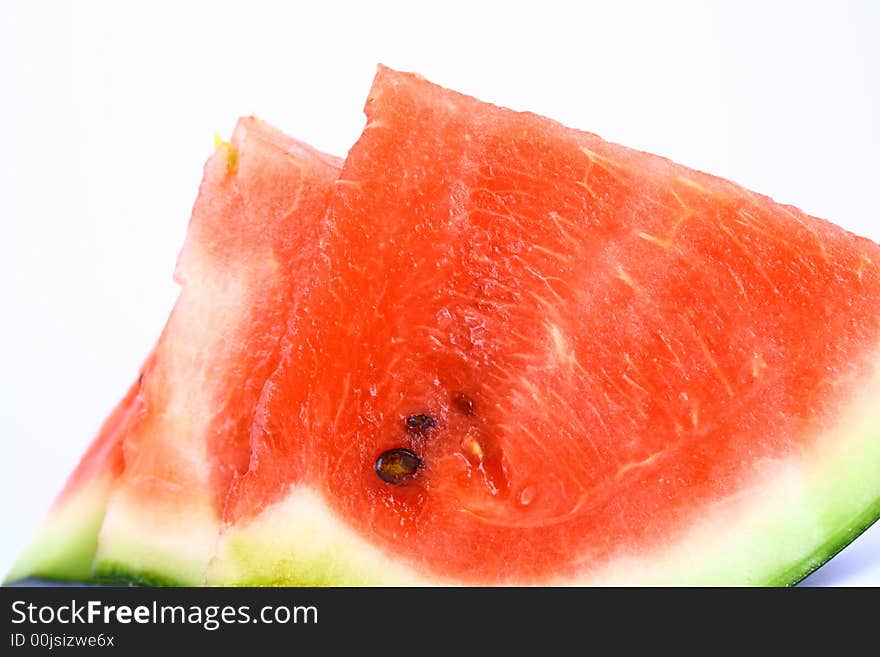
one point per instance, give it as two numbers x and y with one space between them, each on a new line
64 547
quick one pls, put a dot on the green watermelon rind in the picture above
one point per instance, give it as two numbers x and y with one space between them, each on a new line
121 572
111 573
331 574
64 547
831 548
72 569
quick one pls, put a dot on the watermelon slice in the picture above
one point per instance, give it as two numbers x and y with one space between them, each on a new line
181 433
251 242
65 545
542 358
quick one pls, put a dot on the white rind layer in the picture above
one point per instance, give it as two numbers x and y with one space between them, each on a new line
156 545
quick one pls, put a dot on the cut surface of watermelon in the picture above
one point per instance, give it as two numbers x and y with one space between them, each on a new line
604 367
252 240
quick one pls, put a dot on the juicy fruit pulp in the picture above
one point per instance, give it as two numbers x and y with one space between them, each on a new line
614 348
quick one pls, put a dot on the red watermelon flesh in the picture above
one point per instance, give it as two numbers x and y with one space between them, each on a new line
253 238
631 371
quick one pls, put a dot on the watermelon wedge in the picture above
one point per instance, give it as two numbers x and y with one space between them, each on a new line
542 358
251 242
495 350
166 455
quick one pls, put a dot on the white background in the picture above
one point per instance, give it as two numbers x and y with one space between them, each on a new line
110 109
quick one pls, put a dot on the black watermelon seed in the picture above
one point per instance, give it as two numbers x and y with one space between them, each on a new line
463 403
396 465
420 423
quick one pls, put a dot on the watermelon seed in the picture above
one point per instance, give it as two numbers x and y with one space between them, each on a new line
419 424
396 465
463 403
